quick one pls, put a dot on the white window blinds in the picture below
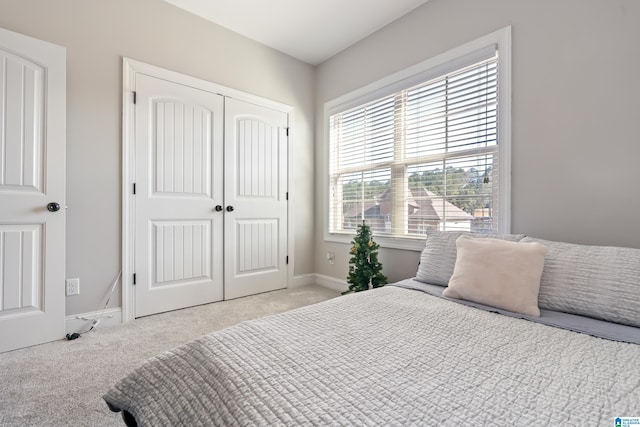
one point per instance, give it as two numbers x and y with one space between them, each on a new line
422 158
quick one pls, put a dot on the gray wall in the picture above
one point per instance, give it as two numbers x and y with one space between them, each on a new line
575 112
97 34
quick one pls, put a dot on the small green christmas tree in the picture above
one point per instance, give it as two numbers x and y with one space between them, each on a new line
365 271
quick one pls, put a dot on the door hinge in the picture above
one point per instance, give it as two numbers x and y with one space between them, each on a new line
134 278
287 195
287 131
135 96
287 259
134 188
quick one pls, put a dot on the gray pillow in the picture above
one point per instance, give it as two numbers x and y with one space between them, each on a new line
439 255
596 281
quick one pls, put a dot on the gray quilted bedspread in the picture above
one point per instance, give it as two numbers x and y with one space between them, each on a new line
386 357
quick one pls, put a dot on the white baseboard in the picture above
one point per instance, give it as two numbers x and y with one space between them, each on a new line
74 323
330 282
303 280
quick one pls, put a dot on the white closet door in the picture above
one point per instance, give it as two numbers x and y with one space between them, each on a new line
179 172
32 177
256 199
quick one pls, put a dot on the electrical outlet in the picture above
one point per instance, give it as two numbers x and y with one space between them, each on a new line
331 257
73 287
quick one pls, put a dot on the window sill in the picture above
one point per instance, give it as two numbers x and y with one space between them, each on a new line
410 244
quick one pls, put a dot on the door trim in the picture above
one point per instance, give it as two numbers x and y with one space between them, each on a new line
130 68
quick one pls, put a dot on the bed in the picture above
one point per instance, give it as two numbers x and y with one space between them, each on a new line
402 355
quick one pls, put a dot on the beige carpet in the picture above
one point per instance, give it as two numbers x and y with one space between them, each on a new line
61 383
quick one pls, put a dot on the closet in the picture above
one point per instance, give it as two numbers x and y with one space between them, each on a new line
207 213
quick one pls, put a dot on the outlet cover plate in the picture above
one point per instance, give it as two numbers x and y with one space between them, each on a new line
72 287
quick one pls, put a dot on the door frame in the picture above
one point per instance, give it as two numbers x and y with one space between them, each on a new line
130 68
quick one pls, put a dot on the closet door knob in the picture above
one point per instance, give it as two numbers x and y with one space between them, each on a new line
229 208
218 208
53 207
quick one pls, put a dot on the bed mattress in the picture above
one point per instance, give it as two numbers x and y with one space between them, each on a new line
386 357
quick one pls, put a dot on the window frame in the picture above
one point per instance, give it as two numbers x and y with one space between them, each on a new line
446 62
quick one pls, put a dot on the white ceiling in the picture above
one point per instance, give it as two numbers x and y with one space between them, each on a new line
310 30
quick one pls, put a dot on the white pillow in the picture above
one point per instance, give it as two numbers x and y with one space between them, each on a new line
498 273
439 255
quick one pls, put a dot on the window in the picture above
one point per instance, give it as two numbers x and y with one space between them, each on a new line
422 153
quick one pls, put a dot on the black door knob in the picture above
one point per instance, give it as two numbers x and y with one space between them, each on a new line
218 208
53 207
229 208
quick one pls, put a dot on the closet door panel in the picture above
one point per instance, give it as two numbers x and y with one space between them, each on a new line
256 146
179 170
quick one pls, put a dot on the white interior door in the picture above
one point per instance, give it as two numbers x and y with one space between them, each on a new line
32 176
179 172
256 189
